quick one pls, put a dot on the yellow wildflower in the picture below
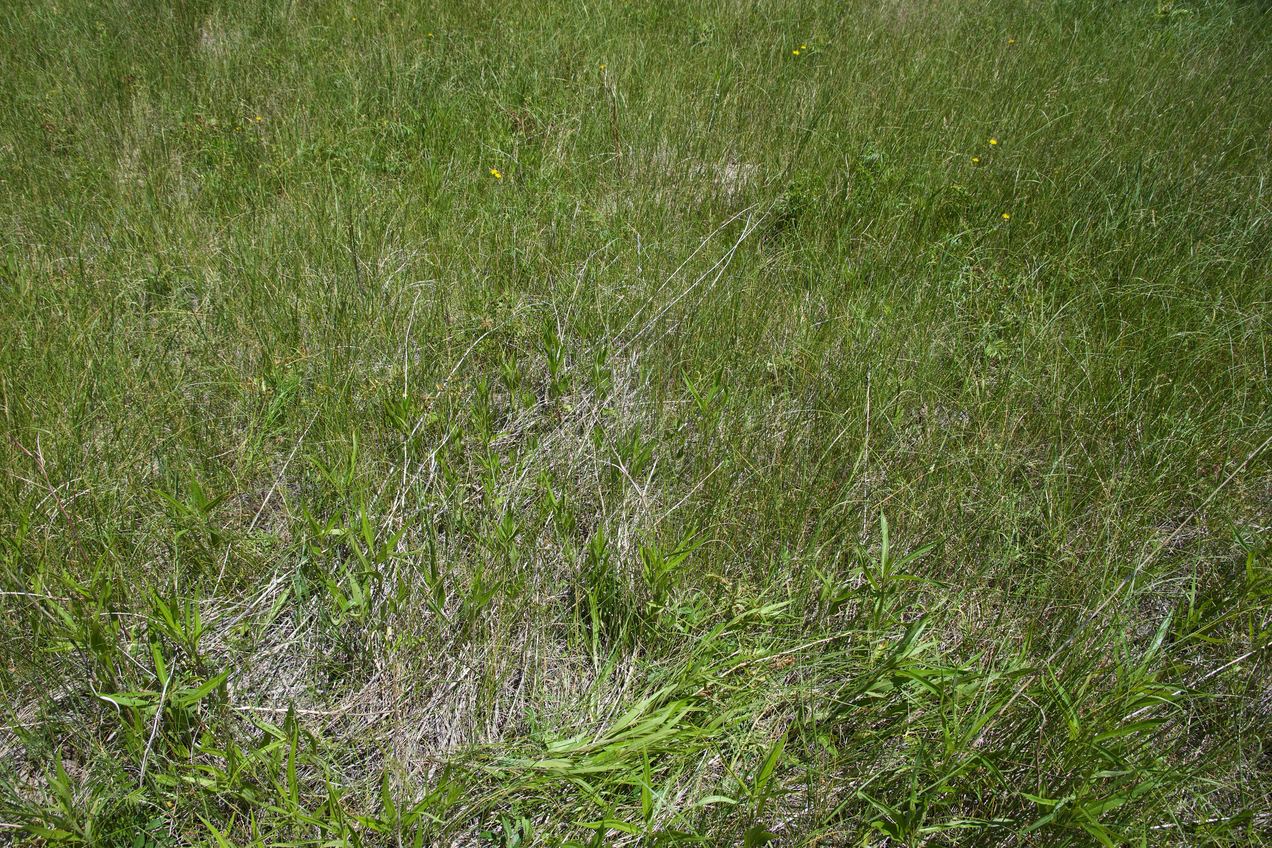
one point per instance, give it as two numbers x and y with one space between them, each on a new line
1006 216
975 160
494 172
794 52
993 142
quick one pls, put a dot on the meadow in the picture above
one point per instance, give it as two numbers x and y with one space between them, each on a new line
718 422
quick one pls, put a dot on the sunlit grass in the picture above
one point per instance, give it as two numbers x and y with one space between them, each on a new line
635 423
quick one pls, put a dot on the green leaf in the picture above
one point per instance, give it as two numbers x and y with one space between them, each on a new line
757 835
221 840
770 763
1127 729
190 697
144 698
1100 832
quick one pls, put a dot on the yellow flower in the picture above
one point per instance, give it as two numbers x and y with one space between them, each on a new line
1006 216
975 160
494 172
258 119
1011 41
993 142
602 66
794 52
803 46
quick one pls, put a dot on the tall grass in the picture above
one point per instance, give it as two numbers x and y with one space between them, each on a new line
635 423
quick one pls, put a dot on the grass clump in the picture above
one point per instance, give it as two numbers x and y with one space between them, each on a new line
727 423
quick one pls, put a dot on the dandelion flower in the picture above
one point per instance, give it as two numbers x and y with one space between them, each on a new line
602 66
494 172
794 52
975 160
1011 41
1006 216
803 46
258 119
993 142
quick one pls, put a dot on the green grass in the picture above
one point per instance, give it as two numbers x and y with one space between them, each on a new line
730 469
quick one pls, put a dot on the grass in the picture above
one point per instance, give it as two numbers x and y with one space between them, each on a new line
635 423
